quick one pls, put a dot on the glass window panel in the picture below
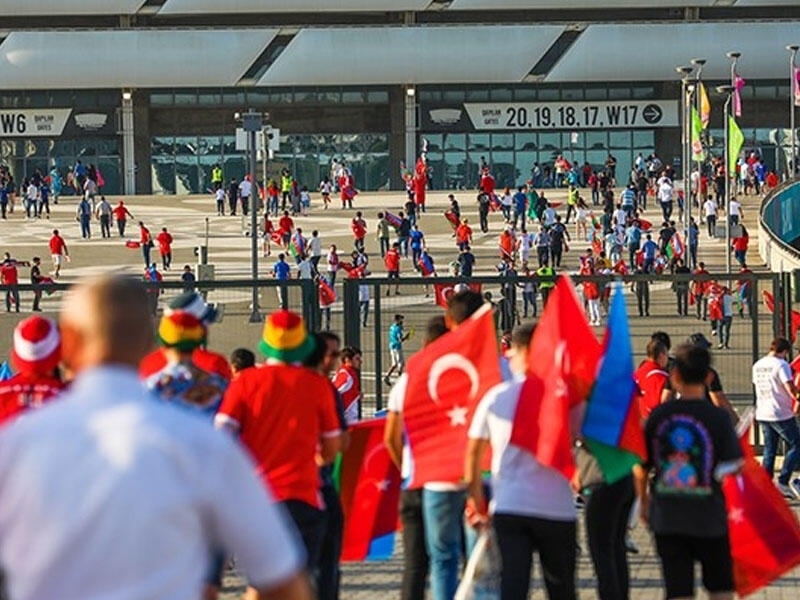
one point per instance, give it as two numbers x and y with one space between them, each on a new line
572 94
550 142
377 143
478 142
236 98
234 167
620 139
595 140
619 93
503 94
185 97
257 97
229 145
352 97
783 92
525 93
209 98
162 146
429 95
454 170
504 169
477 95
596 158
472 166
525 141
163 174
455 141
643 92
305 95
162 99
548 94
502 141
186 145
435 142
111 169
452 95
624 165
206 164
282 97
644 140
330 96
436 166
378 97
524 162
186 175
767 91
595 93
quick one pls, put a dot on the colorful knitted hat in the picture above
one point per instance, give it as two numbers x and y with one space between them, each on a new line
37 345
193 303
285 337
182 330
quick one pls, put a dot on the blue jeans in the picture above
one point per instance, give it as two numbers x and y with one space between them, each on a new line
790 433
442 514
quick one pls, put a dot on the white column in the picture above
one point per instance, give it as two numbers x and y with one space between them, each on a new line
128 162
411 127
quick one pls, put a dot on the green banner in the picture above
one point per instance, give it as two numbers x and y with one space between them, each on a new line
735 143
698 154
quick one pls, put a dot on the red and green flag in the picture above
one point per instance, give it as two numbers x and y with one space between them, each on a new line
612 427
675 248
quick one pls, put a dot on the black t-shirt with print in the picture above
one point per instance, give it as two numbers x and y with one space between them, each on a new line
686 440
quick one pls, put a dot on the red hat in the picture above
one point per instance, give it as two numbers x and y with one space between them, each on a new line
37 345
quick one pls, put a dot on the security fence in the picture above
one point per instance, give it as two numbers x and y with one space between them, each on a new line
363 316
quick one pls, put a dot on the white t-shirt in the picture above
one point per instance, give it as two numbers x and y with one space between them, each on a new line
245 189
521 485
734 208
305 269
665 190
316 246
710 207
773 401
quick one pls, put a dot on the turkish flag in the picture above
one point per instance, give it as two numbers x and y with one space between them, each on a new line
276 237
369 485
132 244
764 532
563 360
443 291
327 295
446 379
769 303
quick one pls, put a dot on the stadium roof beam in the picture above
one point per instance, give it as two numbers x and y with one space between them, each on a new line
270 54
554 53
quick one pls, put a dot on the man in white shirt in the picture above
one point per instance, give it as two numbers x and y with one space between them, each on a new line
665 193
775 397
110 493
710 208
532 505
31 200
315 249
734 212
245 190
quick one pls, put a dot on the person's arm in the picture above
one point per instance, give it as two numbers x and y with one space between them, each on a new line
330 446
393 437
476 500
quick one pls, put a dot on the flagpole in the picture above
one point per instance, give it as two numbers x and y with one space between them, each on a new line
698 65
727 89
686 157
792 170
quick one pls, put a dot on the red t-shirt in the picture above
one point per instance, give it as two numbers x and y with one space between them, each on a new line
144 235
208 361
8 273
24 391
487 184
282 428
650 378
392 261
164 240
286 224
463 232
57 245
120 213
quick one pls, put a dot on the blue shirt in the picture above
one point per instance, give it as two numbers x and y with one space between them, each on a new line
519 201
281 270
649 248
395 336
628 197
416 239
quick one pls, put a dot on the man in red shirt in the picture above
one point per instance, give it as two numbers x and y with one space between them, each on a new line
58 252
347 382
9 276
392 262
286 226
164 240
285 415
145 243
359 228
121 214
651 377
463 234
700 291
487 183
35 354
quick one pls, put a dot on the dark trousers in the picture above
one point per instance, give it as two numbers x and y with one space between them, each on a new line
666 210
121 227
310 523
543 253
105 225
220 207
545 291
146 253
518 537
555 253
643 298
166 260
483 215
711 221
3 209
415 556
86 231
701 302
682 294
37 297
328 574
232 204
285 197
606 514
384 243
12 296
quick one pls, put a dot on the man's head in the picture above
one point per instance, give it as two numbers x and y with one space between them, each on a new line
461 306
691 366
434 329
780 347
399 319
106 321
242 359
658 352
351 356
518 352
332 345
663 337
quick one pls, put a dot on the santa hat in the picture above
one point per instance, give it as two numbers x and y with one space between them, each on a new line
193 303
37 345
286 338
182 330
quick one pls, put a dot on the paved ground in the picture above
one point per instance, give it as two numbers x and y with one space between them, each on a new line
188 217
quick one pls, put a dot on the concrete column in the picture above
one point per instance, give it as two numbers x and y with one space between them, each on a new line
128 160
411 126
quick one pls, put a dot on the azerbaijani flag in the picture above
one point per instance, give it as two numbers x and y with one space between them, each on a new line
392 219
369 486
294 250
611 427
426 264
675 247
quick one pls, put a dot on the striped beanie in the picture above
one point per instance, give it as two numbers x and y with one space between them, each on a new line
182 330
285 337
193 303
37 345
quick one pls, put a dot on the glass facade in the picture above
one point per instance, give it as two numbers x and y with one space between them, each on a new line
183 164
455 157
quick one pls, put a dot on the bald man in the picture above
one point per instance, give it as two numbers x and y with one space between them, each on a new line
112 494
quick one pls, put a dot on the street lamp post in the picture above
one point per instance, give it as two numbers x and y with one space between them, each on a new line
728 90
686 150
252 123
792 170
698 65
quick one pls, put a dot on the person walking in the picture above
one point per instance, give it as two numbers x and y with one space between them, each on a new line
641 287
776 399
145 243
121 214
682 287
103 214
145 446
710 209
84 217
164 239
347 382
396 338
36 282
58 252
383 233
9 277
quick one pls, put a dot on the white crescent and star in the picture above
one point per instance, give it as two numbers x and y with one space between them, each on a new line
453 361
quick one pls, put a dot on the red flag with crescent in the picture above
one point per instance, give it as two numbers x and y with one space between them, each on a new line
369 485
327 295
276 236
563 359
445 290
446 380
451 218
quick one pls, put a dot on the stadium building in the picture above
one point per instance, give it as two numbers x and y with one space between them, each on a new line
147 89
